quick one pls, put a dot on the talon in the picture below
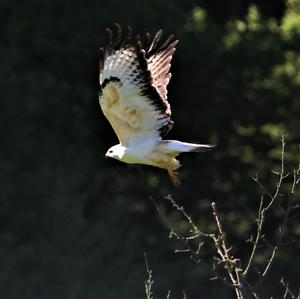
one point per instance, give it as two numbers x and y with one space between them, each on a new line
174 177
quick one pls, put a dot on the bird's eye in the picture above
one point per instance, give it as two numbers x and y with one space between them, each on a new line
110 151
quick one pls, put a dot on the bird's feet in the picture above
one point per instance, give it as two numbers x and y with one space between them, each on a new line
174 177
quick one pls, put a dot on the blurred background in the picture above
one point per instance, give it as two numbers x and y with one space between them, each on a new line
76 225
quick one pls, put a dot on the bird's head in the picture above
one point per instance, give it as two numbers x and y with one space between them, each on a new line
116 152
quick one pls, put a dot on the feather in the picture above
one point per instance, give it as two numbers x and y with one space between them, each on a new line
133 80
141 70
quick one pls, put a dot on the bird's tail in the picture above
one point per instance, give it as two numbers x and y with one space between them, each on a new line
178 147
172 148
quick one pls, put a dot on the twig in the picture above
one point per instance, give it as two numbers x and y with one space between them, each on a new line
262 214
286 213
287 290
149 282
169 294
281 176
230 263
193 254
259 221
196 230
232 274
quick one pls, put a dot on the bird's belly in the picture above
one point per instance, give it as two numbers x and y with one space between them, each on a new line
132 160
136 160
137 156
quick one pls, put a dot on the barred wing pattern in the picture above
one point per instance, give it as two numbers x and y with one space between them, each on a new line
134 79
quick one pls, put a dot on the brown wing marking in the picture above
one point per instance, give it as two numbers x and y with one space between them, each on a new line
154 60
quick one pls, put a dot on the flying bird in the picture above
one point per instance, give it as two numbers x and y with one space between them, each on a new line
133 77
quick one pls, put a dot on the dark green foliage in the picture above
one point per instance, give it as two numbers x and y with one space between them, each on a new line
75 225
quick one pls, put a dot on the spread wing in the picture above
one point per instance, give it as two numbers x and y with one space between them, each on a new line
134 81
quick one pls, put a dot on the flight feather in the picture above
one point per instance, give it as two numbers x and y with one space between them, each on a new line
134 76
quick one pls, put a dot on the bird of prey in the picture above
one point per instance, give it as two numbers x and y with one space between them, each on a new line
134 76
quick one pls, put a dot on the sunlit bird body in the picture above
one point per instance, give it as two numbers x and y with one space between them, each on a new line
134 79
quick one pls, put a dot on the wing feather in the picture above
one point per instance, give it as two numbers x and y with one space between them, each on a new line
159 66
134 83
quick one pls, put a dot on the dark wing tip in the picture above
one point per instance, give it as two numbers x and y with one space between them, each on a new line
101 58
166 128
118 40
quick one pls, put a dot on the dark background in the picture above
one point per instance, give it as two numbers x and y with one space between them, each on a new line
76 225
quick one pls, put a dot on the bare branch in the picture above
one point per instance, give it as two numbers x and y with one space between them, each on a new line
263 209
287 290
286 213
169 294
149 282
281 176
230 263
225 266
188 249
195 228
259 222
